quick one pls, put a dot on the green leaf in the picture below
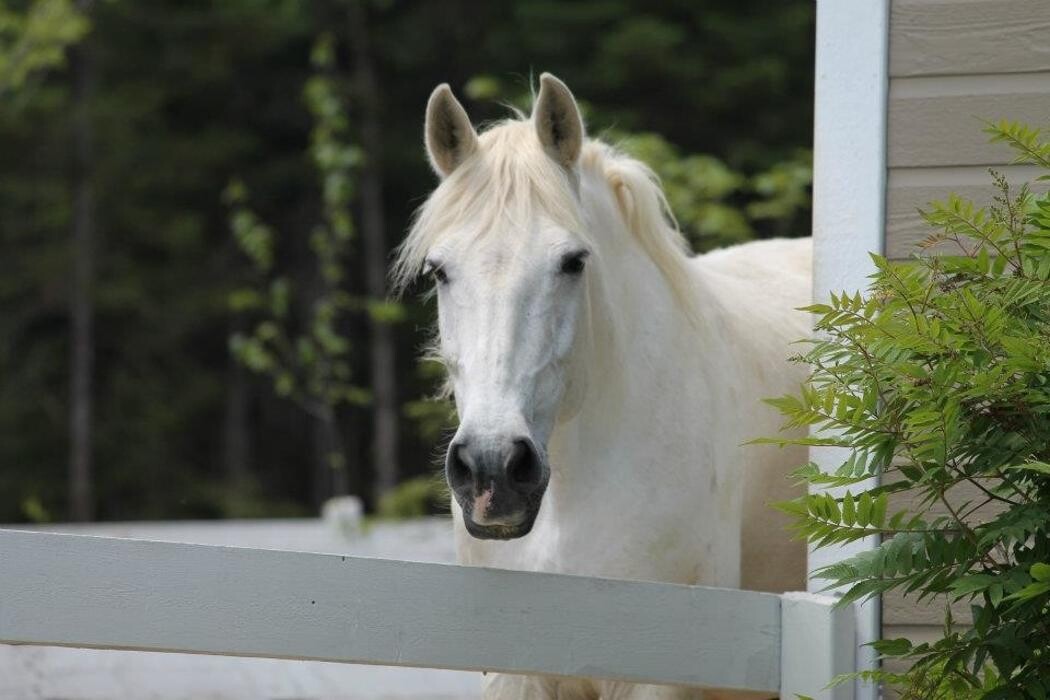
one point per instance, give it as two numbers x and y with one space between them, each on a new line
973 583
1032 590
864 506
1040 572
386 311
1040 467
899 646
848 511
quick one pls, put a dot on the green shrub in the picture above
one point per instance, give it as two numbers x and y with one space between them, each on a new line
308 359
717 206
34 38
936 378
414 498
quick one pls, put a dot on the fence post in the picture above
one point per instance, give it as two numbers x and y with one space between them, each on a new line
818 642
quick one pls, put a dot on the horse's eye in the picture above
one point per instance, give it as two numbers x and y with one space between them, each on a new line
574 263
436 271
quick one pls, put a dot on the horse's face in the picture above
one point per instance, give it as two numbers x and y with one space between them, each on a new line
507 322
508 310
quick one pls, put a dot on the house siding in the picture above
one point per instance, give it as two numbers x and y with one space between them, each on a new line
954 63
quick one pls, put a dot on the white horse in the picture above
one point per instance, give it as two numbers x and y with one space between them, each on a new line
604 379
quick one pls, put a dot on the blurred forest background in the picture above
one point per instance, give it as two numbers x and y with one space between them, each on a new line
198 201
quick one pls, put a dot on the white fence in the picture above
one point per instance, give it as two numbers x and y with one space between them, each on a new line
108 593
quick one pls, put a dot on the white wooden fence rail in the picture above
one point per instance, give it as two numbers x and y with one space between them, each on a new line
108 593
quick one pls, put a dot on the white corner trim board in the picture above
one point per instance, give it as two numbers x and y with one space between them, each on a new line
849 141
98 592
817 642
849 196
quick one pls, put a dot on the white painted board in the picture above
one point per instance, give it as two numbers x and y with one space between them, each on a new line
818 645
70 590
851 86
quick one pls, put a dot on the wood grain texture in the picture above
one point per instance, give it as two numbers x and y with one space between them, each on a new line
937 121
910 190
70 590
952 37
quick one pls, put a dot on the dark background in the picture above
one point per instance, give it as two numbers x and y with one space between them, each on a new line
117 262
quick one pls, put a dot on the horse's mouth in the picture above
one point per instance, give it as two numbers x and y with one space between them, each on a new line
497 532
501 531
501 513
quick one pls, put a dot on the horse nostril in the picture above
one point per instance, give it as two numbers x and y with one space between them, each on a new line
523 466
459 472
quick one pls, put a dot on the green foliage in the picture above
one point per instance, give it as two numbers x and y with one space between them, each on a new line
36 39
414 498
432 415
783 191
187 96
1026 141
717 206
180 100
938 377
310 365
932 681
35 511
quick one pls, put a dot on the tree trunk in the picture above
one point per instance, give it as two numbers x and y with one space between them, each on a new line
81 306
236 428
383 379
330 458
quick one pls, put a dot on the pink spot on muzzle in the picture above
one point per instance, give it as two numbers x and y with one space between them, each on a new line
483 502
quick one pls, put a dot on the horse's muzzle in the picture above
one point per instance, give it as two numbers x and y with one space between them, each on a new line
498 482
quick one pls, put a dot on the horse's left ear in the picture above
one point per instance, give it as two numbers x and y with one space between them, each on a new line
557 119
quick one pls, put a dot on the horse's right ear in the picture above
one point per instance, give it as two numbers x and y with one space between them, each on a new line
450 138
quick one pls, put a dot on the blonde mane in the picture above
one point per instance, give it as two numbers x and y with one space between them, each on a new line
510 179
646 214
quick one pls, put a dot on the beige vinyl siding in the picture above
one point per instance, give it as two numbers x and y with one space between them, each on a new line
968 37
911 189
953 63
917 635
938 121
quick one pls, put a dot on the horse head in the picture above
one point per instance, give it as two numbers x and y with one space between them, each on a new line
505 250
